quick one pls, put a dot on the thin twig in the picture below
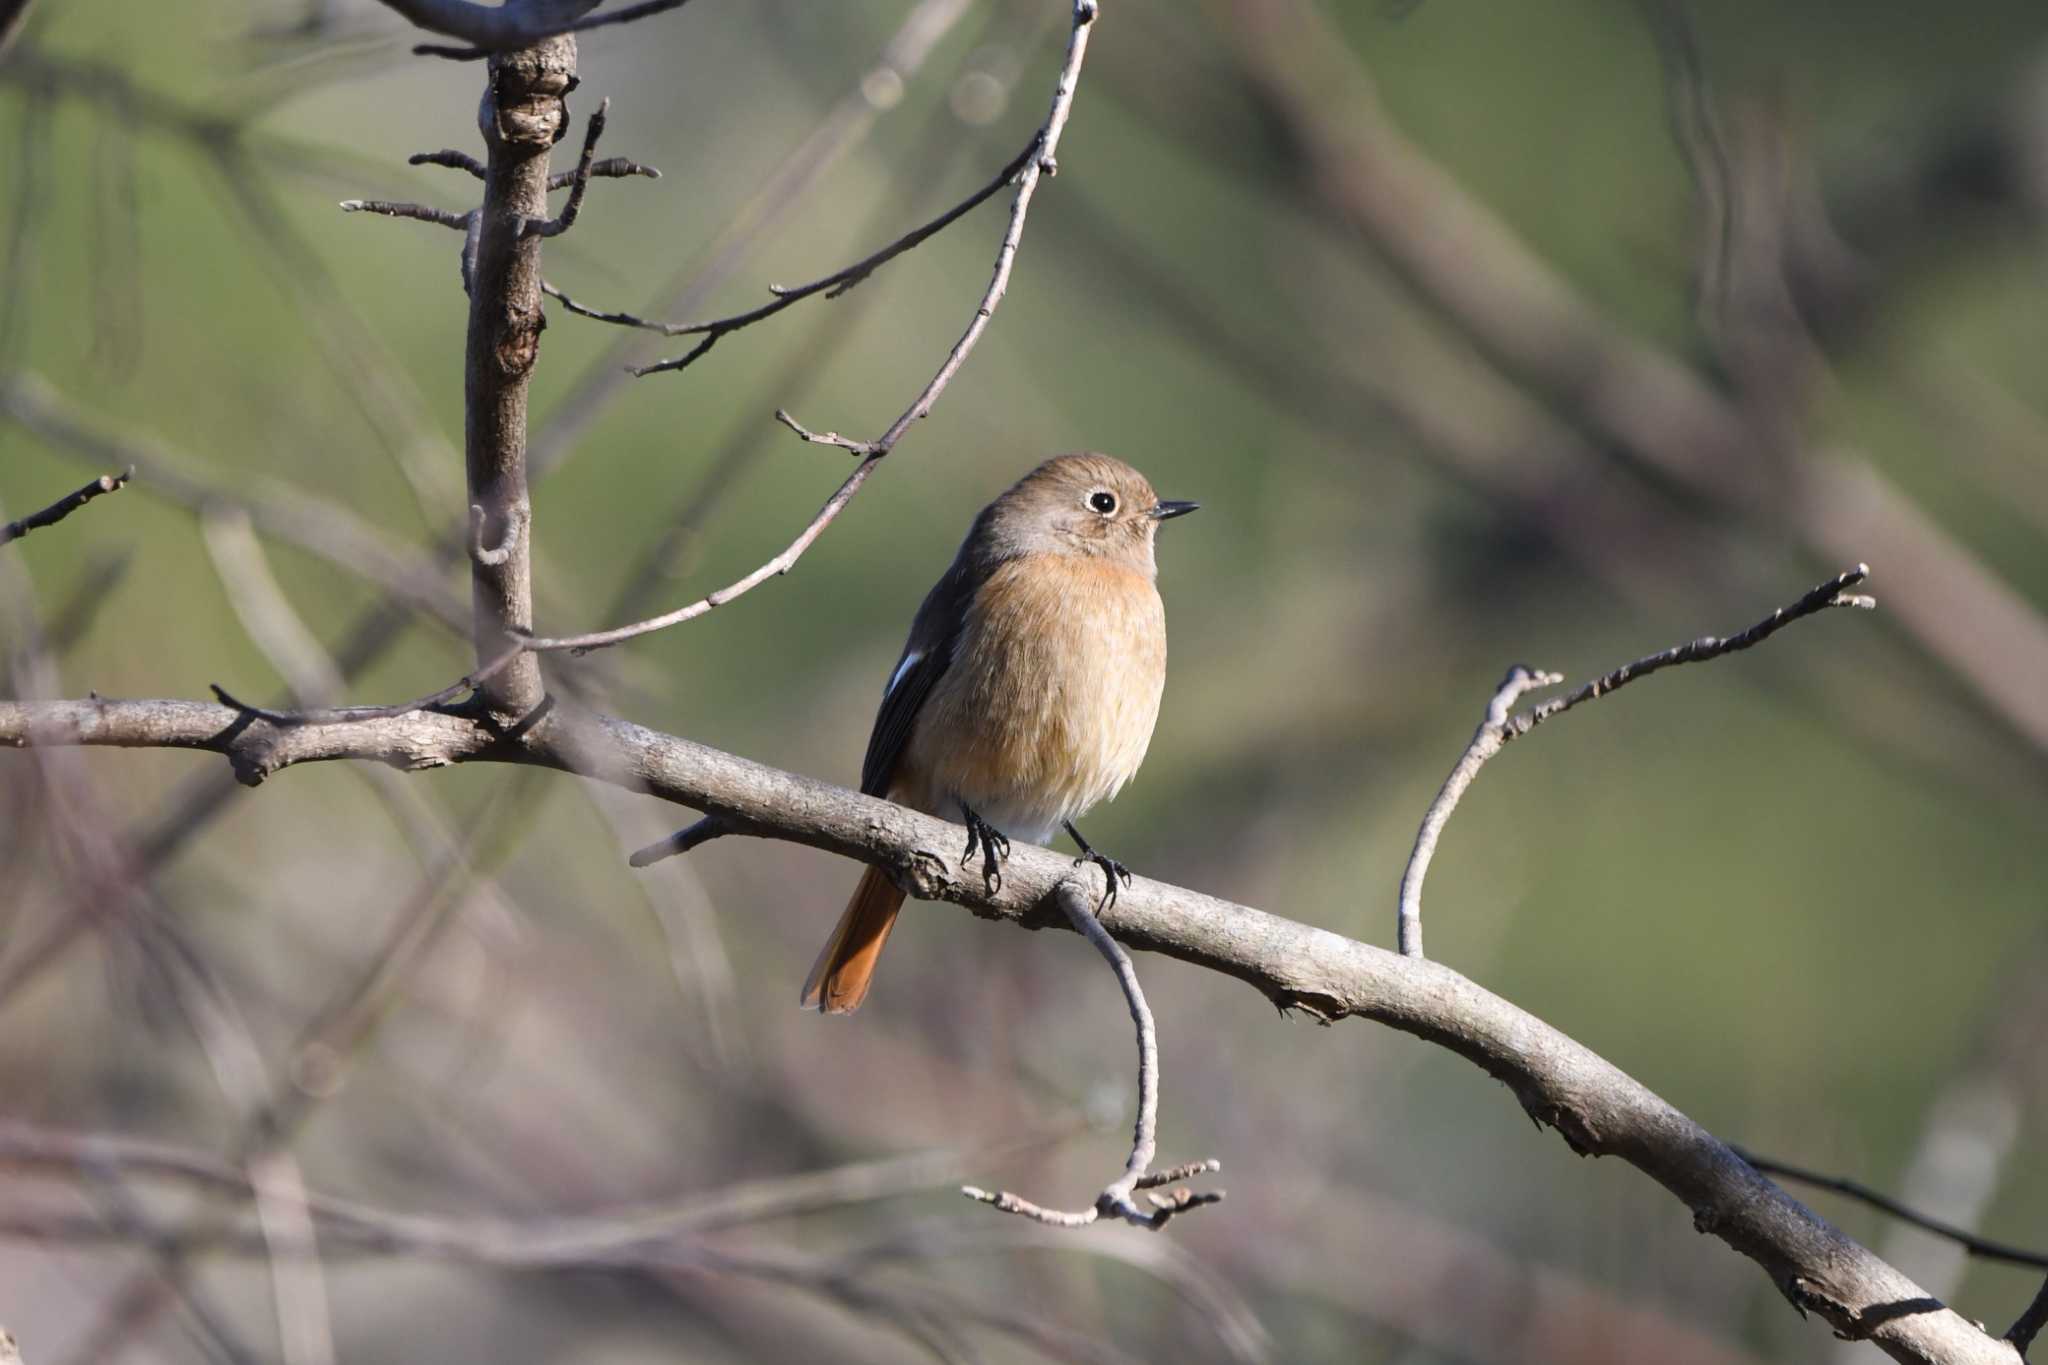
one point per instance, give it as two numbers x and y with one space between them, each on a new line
1500 725
842 130
1981 1247
1486 742
449 157
1115 1201
831 286
65 506
871 451
2029 1324
683 840
1035 169
579 180
1833 593
392 208
611 168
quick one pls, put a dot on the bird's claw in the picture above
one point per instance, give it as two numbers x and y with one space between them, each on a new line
1112 872
994 846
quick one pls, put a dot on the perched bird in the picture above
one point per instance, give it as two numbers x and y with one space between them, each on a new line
1027 690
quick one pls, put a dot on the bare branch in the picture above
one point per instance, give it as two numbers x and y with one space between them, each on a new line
870 451
1115 1201
780 564
579 180
449 157
1500 725
682 841
523 114
423 213
611 168
1035 169
842 130
1486 742
1597 1108
831 286
65 506
1833 593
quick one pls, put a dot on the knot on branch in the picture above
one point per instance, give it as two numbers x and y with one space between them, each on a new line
926 875
527 106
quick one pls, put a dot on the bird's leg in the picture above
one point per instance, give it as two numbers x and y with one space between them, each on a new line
994 846
1111 868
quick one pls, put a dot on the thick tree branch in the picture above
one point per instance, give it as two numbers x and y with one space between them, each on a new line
524 112
65 506
1598 1109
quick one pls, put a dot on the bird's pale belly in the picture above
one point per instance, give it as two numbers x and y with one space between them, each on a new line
1057 684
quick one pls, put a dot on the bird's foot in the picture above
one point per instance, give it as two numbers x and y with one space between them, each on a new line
994 846
1112 870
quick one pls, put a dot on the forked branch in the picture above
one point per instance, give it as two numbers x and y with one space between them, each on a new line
1502 723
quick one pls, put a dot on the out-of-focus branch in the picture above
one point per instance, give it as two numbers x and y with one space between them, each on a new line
65 506
326 529
1481 276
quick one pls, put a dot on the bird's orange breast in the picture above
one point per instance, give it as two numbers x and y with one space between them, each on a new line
1049 703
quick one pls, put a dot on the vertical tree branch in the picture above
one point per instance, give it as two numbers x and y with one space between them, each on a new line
523 114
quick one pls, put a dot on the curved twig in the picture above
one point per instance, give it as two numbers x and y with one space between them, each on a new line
1116 1200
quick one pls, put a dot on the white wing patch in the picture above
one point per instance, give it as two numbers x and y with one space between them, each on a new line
909 662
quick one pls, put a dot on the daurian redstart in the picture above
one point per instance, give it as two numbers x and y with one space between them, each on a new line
1027 690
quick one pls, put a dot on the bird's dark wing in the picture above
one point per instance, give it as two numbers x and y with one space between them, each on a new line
934 635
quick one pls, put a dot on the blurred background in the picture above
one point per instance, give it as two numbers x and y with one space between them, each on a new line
1554 334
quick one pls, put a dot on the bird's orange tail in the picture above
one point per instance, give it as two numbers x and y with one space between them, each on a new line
840 979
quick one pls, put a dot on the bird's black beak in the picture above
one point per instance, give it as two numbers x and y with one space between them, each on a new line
1166 510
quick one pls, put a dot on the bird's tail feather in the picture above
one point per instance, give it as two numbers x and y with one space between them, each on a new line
840 978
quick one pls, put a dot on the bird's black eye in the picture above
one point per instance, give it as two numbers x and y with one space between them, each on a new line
1103 501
